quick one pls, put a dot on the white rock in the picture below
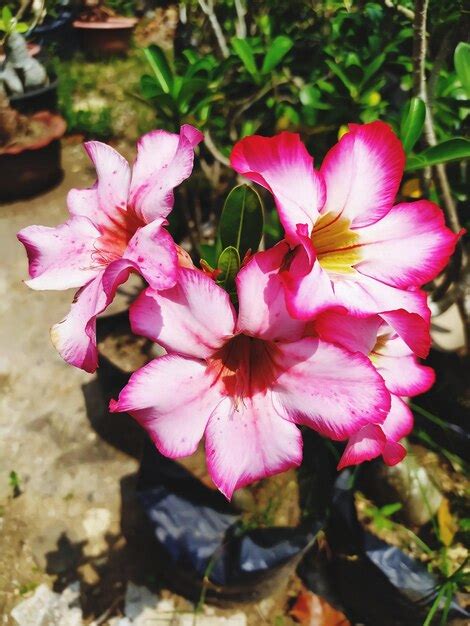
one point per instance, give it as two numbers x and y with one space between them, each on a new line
143 607
46 608
96 522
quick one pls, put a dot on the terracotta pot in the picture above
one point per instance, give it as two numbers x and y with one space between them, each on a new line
28 169
106 38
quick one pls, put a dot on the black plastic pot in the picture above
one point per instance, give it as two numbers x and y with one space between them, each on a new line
57 31
42 99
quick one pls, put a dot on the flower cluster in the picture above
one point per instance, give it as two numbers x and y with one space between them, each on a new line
328 323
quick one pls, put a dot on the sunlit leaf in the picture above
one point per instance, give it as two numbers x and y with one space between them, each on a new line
277 51
462 64
450 150
243 50
228 264
160 67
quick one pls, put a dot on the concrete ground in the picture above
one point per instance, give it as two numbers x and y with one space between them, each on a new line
69 502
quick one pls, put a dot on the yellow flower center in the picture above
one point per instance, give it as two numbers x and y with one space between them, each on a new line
336 245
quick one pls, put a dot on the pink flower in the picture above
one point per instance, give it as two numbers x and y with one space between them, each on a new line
115 227
243 380
400 370
351 247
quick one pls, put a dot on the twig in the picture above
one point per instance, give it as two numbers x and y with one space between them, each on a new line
400 8
210 145
208 8
420 89
240 26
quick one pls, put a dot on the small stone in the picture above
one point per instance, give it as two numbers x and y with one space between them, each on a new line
96 523
46 608
89 575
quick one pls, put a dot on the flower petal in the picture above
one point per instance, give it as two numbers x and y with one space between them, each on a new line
153 251
282 165
262 310
412 327
106 201
406 311
163 161
404 376
399 421
75 336
248 442
329 389
362 173
193 318
309 290
356 334
172 398
60 257
408 247
365 445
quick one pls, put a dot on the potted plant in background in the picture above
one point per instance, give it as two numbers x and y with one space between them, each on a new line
103 32
29 144
23 77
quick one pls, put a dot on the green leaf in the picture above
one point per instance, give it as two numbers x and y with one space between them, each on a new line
412 124
462 64
278 50
372 68
188 90
350 86
209 253
245 53
241 222
390 509
149 87
6 17
159 64
450 150
228 264
21 28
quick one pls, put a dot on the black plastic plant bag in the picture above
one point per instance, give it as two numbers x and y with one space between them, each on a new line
200 532
370 580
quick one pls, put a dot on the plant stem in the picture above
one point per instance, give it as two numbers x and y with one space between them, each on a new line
208 8
420 89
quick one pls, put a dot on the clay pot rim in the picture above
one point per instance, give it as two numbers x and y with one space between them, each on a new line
53 122
111 23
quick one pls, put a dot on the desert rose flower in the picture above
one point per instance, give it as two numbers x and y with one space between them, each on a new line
399 368
115 227
244 381
350 245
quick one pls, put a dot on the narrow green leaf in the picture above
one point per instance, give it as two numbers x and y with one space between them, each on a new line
243 50
462 64
350 86
450 150
6 17
228 264
21 28
241 222
412 124
149 87
159 64
372 68
277 51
